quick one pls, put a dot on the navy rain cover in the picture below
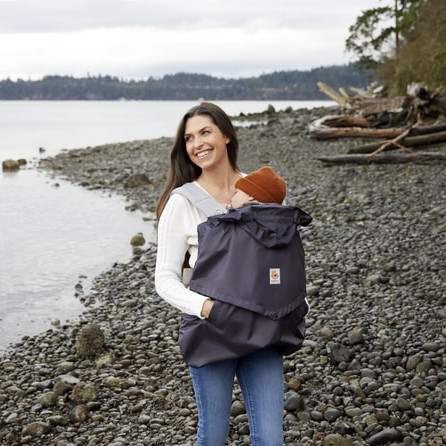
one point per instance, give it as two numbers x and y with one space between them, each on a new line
252 257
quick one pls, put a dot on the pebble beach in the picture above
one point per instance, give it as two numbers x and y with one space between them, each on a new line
372 370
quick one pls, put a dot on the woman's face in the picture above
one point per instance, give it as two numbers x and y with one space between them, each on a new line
205 143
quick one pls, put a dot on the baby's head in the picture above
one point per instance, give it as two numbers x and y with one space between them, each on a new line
262 185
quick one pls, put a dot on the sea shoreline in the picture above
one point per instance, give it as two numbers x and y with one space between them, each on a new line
372 370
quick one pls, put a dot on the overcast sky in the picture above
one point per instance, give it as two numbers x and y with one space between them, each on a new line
135 39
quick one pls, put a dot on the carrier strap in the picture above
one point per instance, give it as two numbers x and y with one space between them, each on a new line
199 198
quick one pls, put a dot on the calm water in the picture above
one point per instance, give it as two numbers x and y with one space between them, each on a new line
50 236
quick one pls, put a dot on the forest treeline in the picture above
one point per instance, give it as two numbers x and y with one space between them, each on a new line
280 85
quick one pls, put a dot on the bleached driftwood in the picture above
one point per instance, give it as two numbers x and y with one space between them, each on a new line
402 122
365 105
333 94
341 126
418 102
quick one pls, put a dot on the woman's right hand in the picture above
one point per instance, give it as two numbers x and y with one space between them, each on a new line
206 308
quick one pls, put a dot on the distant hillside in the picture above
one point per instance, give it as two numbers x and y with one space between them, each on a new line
281 85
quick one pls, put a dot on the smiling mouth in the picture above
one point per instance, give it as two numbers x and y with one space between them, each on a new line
203 153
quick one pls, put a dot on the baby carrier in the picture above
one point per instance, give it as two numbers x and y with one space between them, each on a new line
251 263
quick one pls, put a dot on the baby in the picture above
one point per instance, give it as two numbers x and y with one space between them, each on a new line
260 186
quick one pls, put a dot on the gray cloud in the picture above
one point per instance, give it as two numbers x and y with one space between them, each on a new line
140 38
23 16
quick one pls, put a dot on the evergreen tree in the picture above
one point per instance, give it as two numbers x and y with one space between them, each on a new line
404 42
379 31
422 57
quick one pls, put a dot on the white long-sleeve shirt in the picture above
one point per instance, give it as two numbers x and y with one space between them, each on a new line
177 234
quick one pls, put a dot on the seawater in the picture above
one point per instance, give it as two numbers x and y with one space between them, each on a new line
52 235
52 232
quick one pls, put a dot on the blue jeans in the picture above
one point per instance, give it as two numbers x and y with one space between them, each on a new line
260 375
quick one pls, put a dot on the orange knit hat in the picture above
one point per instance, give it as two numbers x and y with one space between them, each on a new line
264 185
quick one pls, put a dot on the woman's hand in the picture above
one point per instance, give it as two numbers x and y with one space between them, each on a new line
206 308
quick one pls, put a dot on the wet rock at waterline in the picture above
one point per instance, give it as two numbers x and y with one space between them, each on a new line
10 164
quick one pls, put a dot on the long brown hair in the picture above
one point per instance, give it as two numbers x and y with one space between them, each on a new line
182 169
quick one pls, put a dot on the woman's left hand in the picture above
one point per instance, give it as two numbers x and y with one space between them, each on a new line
207 308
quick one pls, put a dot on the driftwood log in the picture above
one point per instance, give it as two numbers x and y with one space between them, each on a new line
342 126
418 100
408 141
402 122
341 98
382 158
364 105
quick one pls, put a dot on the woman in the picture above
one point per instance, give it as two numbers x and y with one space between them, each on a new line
205 152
